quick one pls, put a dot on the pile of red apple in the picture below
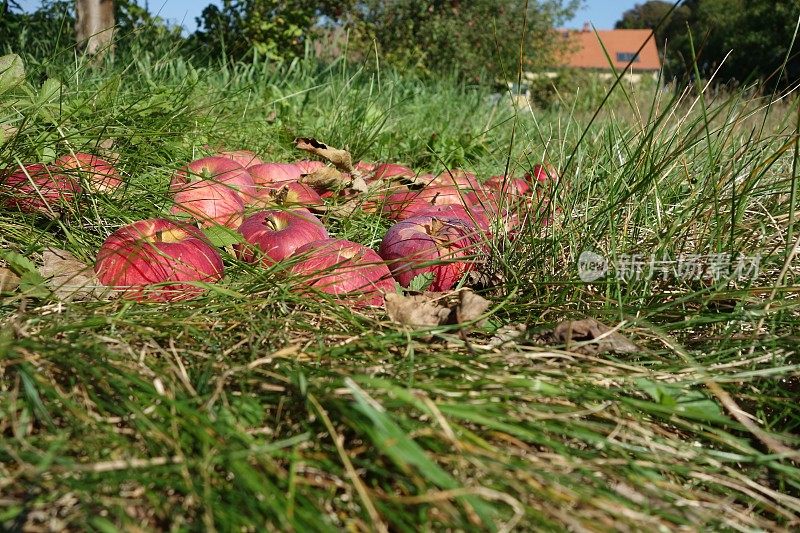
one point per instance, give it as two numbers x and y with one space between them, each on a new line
443 223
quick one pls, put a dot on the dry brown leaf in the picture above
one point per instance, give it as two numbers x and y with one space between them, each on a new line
69 278
105 149
416 310
341 159
506 336
7 131
433 309
358 184
326 178
471 307
8 280
598 336
341 210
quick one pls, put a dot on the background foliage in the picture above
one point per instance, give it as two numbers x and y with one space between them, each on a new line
756 33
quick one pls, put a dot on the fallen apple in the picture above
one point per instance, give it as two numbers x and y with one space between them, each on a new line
209 203
351 271
246 158
475 215
156 259
307 166
402 205
386 171
365 167
214 169
444 247
38 188
542 173
466 181
275 234
286 194
98 175
276 174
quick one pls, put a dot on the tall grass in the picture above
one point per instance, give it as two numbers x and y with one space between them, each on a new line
254 408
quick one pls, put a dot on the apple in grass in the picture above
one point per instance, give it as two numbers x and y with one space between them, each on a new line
156 259
349 270
365 167
386 171
210 203
272 174
286 194
100 175
443 247
402 205
246 158
308 166
277 233
215 169
456 177
475 215
38 188
543 173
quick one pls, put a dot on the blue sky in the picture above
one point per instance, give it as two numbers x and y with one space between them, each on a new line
602 13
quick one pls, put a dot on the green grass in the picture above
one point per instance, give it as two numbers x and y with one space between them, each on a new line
255 408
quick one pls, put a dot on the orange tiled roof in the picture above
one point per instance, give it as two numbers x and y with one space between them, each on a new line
583 49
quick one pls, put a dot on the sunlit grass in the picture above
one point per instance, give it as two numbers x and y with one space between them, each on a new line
256 406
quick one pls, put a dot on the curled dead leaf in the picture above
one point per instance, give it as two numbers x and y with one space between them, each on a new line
471 307
7 131
416 310
326 178
68 278
598 337
341 159
434 309
8 280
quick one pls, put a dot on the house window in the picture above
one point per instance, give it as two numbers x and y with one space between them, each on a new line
626 57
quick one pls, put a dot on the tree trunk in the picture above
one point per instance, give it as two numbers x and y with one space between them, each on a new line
94 26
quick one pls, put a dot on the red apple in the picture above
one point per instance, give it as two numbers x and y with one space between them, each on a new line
210 203
215 169
278 233
246 158
307 166
475 215
101 176
466 181
402 205
272 174
346 269
365 167
157 251
38 188
290 193
542 173
442 246
385 171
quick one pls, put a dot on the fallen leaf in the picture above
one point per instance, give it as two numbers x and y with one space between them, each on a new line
358 184
598 336
8 280
433 309
326 178
69 278
7 131
507 335
471 307
12 72
341 159
416 310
